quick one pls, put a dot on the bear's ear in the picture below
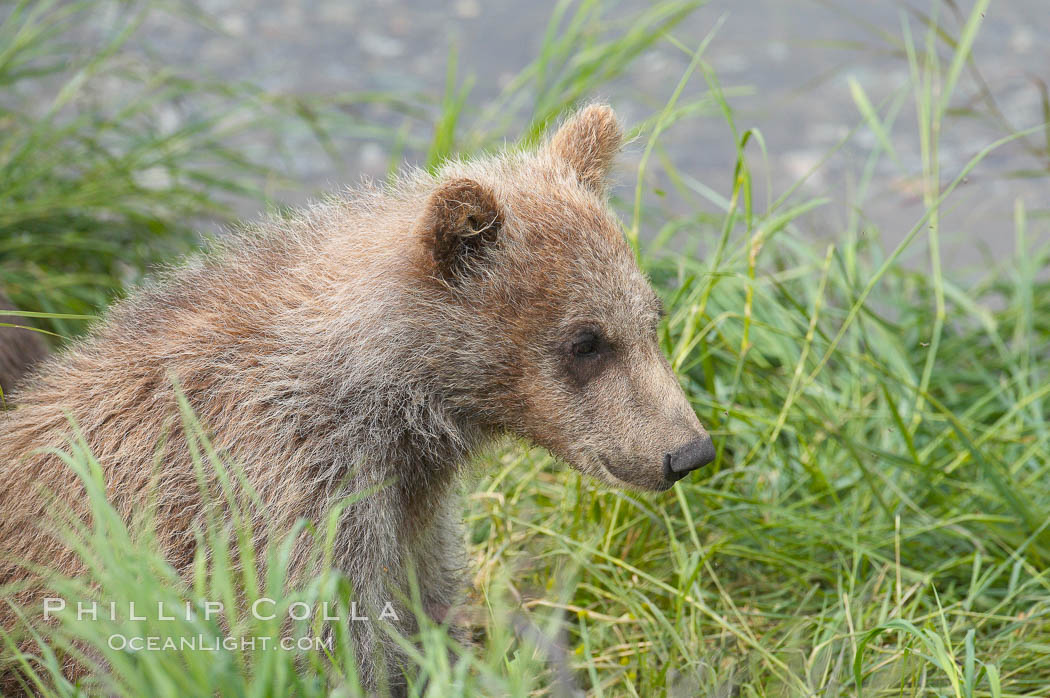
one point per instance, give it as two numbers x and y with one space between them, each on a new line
462 219
588 142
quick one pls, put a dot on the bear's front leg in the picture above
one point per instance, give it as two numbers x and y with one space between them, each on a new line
440 565
370 551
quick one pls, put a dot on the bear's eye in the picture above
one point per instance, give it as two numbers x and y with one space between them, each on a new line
585 346
585 354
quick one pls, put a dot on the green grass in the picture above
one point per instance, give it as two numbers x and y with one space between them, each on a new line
877 519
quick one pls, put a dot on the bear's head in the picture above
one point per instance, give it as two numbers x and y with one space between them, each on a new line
553 322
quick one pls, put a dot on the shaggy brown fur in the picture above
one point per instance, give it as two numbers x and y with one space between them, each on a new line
20 349
384 337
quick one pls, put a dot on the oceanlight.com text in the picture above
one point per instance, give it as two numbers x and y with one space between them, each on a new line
216 643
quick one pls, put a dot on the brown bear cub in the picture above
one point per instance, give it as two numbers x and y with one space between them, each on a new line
20 348
372 344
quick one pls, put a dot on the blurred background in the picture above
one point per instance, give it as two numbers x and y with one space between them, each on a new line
785 68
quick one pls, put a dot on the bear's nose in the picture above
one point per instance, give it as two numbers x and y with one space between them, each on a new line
685 459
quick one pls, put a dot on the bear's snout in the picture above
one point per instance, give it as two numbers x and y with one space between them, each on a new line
692 456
